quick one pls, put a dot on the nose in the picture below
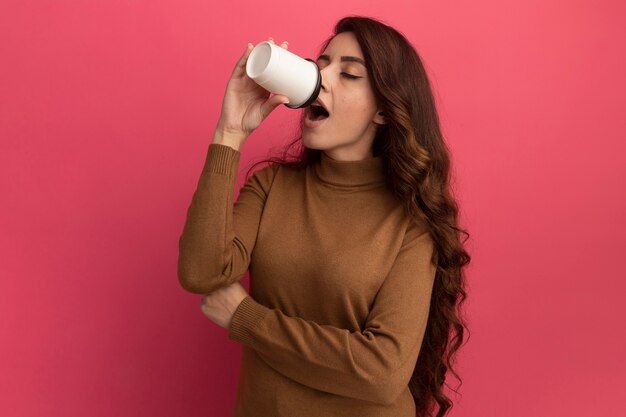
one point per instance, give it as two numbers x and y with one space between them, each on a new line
324 79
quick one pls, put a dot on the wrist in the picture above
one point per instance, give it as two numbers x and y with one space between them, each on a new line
226 137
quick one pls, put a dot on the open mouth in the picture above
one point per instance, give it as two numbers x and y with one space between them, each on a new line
316 112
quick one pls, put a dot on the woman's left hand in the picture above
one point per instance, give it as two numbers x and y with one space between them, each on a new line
221 304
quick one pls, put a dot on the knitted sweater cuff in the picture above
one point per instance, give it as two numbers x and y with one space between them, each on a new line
247 321
222 159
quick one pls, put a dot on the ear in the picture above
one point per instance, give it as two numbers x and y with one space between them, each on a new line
379 118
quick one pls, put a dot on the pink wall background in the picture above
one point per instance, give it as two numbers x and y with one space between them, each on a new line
106 113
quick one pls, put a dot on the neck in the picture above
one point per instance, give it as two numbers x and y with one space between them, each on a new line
367 171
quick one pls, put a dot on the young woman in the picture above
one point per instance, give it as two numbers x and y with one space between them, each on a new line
355 259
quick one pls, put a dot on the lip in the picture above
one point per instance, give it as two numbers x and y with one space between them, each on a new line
321 103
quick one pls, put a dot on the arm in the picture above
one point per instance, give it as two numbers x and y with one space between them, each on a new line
375 364
218 237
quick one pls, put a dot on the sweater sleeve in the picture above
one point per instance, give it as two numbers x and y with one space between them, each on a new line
218 237
375 364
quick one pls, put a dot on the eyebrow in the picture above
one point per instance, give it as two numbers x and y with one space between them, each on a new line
344 59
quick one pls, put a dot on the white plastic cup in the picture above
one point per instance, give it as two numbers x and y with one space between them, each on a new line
282 72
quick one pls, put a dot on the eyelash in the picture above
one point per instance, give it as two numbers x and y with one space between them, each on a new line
350 76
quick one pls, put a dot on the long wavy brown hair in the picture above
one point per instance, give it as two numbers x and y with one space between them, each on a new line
417 165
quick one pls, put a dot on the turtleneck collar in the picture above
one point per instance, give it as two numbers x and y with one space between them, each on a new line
367 171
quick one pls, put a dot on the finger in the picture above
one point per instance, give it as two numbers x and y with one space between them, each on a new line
285 44
246 54
271 40
271 103
241 64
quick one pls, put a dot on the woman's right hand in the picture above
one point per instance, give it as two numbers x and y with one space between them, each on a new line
246 104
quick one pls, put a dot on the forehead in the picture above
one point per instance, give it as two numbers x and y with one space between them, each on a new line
344 43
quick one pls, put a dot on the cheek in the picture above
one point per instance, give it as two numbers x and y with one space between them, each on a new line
355 107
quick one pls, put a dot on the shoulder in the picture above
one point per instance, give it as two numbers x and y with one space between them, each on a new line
417 233
263 178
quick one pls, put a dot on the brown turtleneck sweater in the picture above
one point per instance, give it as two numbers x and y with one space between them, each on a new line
340 284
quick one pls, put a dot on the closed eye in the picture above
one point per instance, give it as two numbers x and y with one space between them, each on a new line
345 74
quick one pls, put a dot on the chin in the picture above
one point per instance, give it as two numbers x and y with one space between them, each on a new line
309 142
